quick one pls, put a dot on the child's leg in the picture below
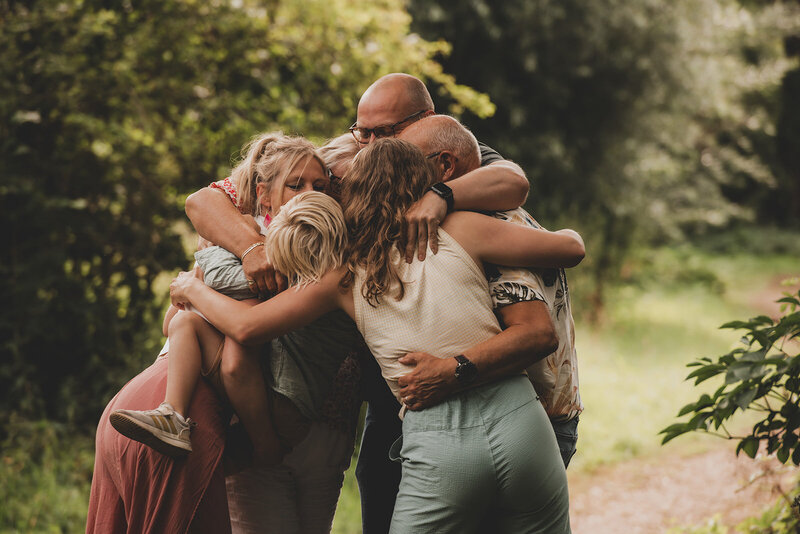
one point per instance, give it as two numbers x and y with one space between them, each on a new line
193 344
244 385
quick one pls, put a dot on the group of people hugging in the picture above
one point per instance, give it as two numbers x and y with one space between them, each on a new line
392 265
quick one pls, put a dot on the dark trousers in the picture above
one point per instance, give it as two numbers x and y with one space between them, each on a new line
567 438
378 477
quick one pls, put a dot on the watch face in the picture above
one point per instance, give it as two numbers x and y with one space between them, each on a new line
466 371
443 190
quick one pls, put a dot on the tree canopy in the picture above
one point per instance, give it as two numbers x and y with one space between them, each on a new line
635 121
110 113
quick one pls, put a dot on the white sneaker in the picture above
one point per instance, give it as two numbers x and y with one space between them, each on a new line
161 429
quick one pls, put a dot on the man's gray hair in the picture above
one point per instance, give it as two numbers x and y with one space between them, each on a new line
446 133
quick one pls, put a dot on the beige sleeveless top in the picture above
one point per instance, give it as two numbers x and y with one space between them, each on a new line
446 309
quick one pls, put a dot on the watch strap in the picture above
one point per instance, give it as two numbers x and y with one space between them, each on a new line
444 191
466 371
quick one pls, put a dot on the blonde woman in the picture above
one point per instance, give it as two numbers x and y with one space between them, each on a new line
313 401
137 489
300 492
489 450
274 169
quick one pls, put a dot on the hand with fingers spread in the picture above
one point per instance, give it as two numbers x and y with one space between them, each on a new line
421 226
430 382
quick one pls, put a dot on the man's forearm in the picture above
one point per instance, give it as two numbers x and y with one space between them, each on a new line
511 351
215 218
529 336
499 186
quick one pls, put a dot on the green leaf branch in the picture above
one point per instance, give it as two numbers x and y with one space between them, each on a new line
761 375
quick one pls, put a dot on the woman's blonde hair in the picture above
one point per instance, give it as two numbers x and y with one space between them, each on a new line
307 238
339 152
386 178
268 158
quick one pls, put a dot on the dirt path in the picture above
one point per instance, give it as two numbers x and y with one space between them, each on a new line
651 495
764 300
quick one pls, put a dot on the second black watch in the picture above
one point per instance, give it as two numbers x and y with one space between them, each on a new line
466 371
445 192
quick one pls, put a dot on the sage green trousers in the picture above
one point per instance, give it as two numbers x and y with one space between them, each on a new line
485 460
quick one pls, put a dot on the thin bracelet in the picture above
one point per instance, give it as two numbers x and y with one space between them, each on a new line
250 249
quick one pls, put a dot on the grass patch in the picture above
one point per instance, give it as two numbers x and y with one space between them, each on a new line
665 315
46 471
348 512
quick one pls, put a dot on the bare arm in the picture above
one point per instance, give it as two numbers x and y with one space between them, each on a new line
499 186
277 316
529 336
216 219
496 187
490 240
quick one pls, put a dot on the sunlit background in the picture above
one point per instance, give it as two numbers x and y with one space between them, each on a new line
667 132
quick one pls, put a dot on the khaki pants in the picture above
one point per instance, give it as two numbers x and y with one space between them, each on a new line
297 496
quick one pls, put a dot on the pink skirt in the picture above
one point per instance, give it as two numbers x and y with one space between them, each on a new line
136 489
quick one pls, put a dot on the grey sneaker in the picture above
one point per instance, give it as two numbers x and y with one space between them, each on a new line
160 429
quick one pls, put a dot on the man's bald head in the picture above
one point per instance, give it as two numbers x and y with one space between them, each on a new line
440 133
391 99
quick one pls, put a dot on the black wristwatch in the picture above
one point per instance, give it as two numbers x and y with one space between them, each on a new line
445 192
466 371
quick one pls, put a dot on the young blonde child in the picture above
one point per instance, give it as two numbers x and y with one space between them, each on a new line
275 169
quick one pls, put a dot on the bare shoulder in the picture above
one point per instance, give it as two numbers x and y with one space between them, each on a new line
458 219
464 224
470 229
328 285
341 293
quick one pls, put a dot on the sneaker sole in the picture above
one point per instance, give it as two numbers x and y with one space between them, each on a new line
133 429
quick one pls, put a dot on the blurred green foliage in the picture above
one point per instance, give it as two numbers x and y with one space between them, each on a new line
110 113
46 472
635 121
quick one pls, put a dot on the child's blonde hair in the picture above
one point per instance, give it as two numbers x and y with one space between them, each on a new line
307 238
268 158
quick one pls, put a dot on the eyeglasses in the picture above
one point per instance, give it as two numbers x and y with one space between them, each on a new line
362 135
333 178
437 154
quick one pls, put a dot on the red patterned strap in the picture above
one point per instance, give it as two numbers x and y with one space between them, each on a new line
228 188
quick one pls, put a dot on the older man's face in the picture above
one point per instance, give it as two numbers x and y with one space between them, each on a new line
383 112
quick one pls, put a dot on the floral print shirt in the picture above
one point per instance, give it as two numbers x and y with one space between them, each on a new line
555 377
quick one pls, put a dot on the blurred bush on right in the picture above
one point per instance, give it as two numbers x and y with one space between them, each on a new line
637 122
